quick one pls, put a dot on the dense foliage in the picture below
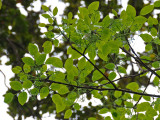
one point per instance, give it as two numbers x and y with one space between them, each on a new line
99 52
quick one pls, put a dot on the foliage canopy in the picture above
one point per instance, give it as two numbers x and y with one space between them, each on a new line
89 38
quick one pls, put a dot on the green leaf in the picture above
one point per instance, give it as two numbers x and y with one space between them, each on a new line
34 91
153 31
146 37
148 47
55 42
118 101
47 47
57 99
26 68
97 75
63 90
110 66
131 11
41 25
55 62
128 104
46 16
27 84
44 92
49 34
77 106
75 55
117 94
22 98
103 111
143 106
55 86
16 69
23 76
151 112
70 15
44 68
81 63
93 6
72 95
45 8
108 118
114 12
40 59
68 64
156 81
147 98
92 118
147 9
0 4
121 69
8 98
68 114
28 61
136 97
133 86
157 4
152 21
55 11
16 85
33 49
112 75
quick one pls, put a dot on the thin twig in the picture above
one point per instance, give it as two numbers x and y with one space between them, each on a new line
139 61
102 89
4 79
143 91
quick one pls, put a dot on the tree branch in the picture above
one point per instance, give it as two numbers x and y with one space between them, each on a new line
88 60
102 89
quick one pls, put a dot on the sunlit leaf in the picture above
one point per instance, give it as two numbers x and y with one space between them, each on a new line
22 98
133 86
16 85
147 9
68 114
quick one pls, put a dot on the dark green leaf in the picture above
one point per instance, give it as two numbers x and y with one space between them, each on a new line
8 97
34 91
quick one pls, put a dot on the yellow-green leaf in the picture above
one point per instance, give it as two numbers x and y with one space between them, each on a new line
147 9
68 114
16 85
22 98
133 86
